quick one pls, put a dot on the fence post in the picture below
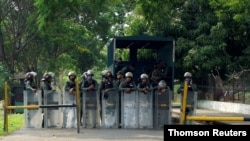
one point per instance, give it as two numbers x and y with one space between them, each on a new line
6 106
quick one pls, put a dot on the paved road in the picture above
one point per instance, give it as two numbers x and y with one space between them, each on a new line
28 134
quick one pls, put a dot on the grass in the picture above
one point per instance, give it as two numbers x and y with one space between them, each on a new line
176 100
15 122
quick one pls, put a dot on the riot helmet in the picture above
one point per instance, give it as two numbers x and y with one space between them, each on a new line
144 76
30 75
90 72
187 74
129 74
33 73
103 73
162 84
188 77
48 76
108 74
72 74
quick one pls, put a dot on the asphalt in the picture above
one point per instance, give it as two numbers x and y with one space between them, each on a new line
92 134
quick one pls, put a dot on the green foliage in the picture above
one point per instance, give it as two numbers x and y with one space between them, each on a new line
66 35
51 10
146 54
233 16
3 78
201 45
158 16
17 30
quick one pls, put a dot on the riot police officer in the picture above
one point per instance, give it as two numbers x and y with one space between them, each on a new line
188 79
81 84
108 83
88 95
47 84
70 98
162 87
31 97
191 98
30 82
129 84
47 81
89 83
119 78
154 80
47 95
144 85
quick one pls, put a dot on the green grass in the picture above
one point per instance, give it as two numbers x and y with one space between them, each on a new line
176 100
15 122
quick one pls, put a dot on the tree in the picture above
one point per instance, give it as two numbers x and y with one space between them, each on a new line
233 15
15 19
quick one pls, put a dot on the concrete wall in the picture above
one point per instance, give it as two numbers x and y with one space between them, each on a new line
224 106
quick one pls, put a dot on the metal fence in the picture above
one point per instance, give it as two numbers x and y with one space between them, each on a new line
234 89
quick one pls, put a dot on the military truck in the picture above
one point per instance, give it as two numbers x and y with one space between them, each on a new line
144 52
148 54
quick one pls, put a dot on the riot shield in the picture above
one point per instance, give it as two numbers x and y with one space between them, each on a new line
89 109
69 113
145 109
52 116
191 105
129 110
162 108
33 117
110 109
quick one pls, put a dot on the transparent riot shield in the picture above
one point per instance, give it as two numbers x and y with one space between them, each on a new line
191 105
145 109
129 110
89 109
162 108
110 109
52 116
69 113
33 117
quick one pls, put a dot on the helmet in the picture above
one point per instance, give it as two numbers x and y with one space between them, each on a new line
71 73
108 74
187 74
104 72
129 74
90 72
27 75
162 84
144 75
32 74
48 75
51 74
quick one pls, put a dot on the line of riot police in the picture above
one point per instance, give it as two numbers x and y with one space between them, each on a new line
116 102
